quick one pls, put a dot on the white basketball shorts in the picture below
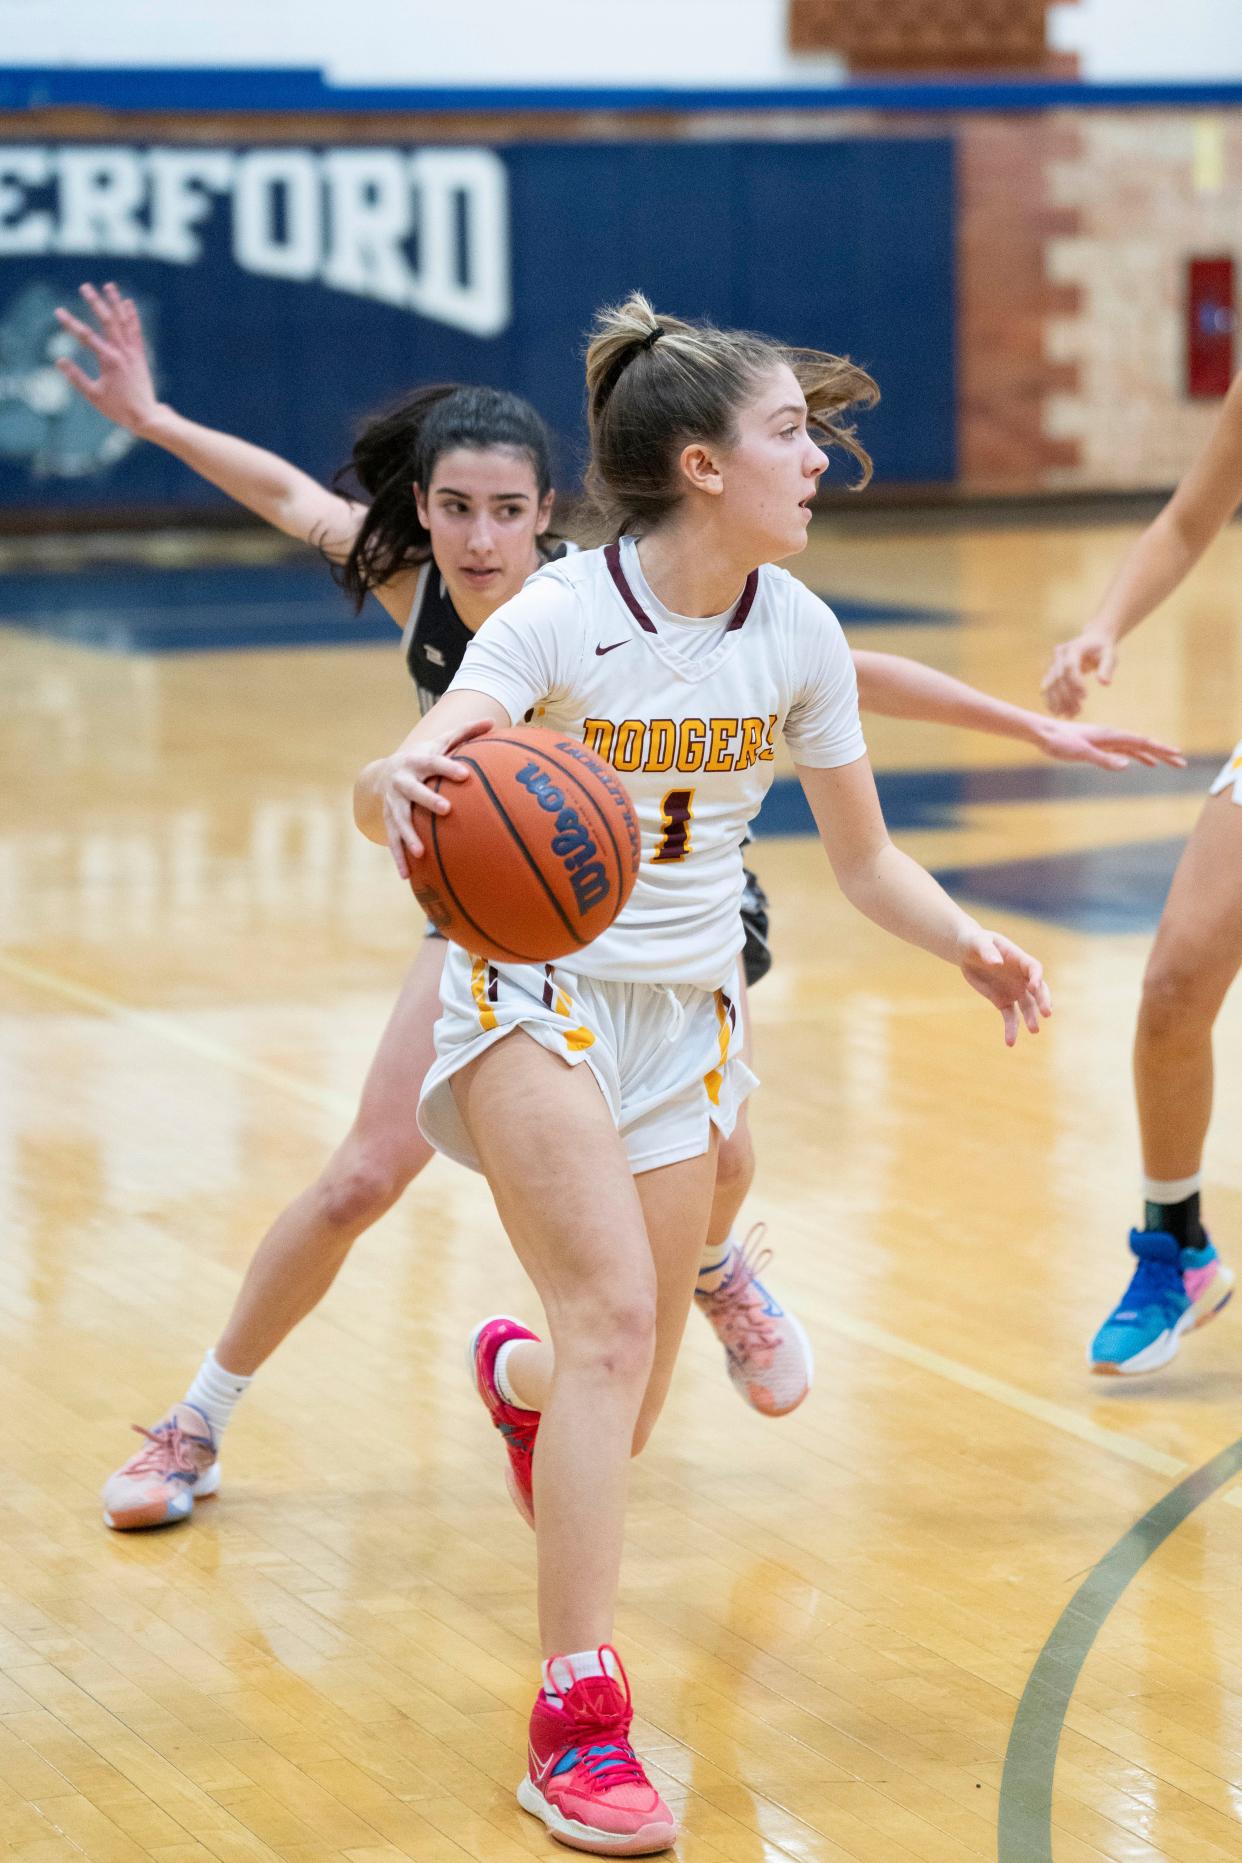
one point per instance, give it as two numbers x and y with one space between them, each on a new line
667 1058
1231 776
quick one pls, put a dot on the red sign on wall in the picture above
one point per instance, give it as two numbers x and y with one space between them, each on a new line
1210 323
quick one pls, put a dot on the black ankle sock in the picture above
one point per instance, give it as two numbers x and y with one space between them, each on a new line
1179 1220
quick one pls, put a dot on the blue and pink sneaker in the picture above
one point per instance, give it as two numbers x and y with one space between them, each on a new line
178 1464
584 1779
518 1427
1172 1291
767 1352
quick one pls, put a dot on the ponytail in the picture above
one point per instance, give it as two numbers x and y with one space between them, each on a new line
655 383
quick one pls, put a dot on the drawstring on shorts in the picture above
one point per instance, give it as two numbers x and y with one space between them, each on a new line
679 1014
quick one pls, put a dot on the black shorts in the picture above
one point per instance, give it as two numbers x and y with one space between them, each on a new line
756 952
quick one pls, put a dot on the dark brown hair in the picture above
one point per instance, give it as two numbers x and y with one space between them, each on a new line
656 383
398 449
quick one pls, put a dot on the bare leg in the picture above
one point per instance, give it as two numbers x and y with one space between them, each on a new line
1195 958
735 1160
767 1354
565 1194
675 1202
735 1173
298 1259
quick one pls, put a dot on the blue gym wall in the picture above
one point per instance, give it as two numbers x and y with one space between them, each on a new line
845 244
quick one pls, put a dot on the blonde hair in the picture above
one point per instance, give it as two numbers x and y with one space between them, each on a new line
656 383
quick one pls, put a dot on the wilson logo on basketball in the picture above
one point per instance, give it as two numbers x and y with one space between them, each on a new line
571 842
538 852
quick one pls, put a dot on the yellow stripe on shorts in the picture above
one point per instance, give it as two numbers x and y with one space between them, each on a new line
478 989
724 1020
554 997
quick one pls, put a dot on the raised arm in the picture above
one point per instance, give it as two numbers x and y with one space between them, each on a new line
123 390
896 687
896 893
1162 557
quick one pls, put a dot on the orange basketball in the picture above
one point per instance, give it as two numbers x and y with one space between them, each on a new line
538 854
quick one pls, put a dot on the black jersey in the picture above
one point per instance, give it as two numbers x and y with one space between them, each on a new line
436 637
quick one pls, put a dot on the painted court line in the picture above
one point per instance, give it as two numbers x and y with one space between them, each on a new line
165 1028
863 1332
1057 1416
1024 1832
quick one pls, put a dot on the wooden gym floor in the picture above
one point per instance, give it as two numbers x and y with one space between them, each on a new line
831 1620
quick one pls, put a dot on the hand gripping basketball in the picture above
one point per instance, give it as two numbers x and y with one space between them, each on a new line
533 854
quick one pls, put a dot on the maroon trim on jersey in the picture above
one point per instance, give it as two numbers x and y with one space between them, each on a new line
612 556
747 602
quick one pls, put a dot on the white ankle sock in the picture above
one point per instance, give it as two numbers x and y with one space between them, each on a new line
216 1391
1170 1189
713 1269
500 1372
577 1668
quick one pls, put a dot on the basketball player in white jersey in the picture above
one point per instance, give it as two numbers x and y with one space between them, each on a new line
593 1093
457 513
1179 1280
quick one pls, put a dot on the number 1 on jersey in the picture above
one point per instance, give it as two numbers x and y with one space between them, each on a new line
675 812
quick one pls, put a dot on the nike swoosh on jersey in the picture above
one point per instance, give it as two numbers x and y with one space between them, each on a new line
601 651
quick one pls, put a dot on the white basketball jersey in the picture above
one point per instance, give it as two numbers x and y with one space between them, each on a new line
688 712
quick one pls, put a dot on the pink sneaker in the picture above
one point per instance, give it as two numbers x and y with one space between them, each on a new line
584 1779
518 1427
158 1486
769 1355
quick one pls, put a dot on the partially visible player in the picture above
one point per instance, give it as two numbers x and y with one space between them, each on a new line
1179 1280
592 1094
457 513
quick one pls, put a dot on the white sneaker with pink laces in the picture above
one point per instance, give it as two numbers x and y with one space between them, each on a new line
770 1359
159 1485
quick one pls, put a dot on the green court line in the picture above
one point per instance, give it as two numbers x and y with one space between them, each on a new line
1025 1828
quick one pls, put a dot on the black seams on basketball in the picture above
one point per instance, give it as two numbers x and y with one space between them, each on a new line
538 853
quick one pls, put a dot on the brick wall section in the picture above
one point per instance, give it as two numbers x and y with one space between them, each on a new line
1146 190
1008 219
924 35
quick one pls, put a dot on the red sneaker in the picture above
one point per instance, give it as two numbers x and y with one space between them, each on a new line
518 1427
585 1780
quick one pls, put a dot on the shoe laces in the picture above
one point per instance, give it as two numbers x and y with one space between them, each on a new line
169 1451
594 1713
1156 1284
739 1303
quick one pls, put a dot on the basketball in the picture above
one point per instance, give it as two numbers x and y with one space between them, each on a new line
538 854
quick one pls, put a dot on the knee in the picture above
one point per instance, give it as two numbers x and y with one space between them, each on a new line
735 1162
361 1184
1179 997
611 1334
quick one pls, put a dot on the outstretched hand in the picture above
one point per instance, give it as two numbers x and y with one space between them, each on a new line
123 390
1107 746
1064 685
1009 977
